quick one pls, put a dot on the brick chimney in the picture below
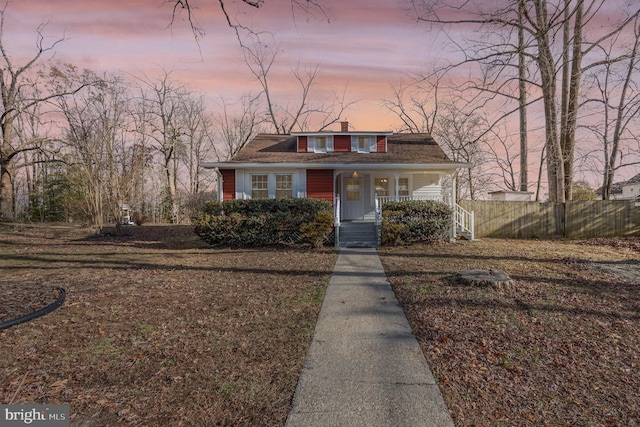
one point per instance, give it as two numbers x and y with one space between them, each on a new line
344 126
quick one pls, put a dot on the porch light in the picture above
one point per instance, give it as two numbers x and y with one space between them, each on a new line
354 174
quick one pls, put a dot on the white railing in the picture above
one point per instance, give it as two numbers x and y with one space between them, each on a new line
378 212
384 199
336 211
465 220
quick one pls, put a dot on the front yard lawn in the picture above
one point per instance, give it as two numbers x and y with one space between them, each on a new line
157 329
560 348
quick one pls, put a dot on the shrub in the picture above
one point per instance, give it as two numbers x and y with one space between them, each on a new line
139 218
317 231
258 222
415 221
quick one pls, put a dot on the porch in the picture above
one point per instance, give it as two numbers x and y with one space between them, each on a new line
366 232
360 195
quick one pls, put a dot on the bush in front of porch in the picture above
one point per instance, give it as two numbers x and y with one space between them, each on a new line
415 221
259 222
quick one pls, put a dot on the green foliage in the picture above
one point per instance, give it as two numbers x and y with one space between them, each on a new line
582 191
415 221
318 230
47 203
259 222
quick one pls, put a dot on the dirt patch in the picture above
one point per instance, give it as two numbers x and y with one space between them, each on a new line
561 347
157 328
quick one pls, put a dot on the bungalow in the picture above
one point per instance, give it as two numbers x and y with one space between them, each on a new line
356 171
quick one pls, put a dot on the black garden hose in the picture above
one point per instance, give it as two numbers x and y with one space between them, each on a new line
34 315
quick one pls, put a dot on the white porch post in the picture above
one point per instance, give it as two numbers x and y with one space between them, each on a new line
453 205
396 178
220 184
336 209
336 199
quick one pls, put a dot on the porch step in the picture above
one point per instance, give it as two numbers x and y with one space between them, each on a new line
358 235
460 232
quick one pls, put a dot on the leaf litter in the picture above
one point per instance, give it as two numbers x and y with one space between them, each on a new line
560 348
157 328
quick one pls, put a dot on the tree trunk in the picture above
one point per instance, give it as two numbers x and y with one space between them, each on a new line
524 149
7 212
546 63
570 115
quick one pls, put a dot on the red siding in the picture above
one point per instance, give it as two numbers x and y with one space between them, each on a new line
228 184
302 144
381 144
320 184
342 143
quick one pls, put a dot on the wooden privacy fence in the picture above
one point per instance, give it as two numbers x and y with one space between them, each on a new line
579 219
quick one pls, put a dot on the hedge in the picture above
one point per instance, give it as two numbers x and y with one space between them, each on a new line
415 221
262 222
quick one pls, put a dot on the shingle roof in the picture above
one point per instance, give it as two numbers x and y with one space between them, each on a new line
616 187
401 148
634 180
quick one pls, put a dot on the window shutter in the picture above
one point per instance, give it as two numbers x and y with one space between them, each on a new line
354 143
329 144
373 145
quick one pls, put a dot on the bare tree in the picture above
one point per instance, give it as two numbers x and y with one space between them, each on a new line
285 116
236 127
189 7
616 98
462 136
164 103
19 96
560 49
96 138
198 144
416 104
198 141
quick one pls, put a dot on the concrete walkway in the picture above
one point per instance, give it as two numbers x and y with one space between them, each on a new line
364 366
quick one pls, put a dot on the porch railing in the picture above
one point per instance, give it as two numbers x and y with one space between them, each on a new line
465 221
384 199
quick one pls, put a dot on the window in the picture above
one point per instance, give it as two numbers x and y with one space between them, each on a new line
403 187
320 144
352 186
283 186
363 143
259 186
382 186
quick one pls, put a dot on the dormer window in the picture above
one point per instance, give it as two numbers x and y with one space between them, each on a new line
321 144
363 143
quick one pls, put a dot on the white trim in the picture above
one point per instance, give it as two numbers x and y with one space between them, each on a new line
244 182
312 141
371 144
444 167
240 194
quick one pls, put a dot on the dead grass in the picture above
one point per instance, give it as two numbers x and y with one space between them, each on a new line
561 349
157 329
160 330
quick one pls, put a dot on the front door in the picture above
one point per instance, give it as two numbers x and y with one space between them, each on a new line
352 200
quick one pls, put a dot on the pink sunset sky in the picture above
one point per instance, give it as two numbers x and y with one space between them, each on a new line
363 45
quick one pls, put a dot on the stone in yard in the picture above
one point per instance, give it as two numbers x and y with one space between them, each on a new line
495 279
